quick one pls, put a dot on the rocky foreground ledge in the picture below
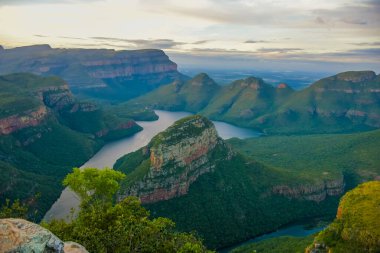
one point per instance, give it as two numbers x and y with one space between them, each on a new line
18 235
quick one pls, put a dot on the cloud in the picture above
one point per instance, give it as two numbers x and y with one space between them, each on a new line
354 21
366 44
278 50
256 41
319 20
143 43
199 42
40 36
28 2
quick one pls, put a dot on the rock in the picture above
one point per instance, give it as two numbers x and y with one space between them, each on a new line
176 158
73 247
16 122
18 235
314 192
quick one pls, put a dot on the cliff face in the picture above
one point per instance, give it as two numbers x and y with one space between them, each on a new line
176 158
43 99
95 72
314 192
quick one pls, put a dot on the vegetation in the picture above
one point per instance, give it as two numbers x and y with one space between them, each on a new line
347 102
317 157
223 205
192 95
277 245
356 227
14 210
34 159
105 226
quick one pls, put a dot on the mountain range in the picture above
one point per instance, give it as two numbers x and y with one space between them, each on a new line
346 102
101 74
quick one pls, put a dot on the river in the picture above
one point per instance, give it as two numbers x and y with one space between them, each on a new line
108 155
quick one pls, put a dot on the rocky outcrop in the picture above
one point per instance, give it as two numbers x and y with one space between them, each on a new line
57 97
18 235
314 192
176 158
28 118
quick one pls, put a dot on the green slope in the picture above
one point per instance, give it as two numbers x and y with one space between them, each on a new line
231 203
346 102
192 95
36 152
316 157
356 227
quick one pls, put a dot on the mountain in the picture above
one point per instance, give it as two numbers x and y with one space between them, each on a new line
44 132
192 95
346 102
245 100
95 73
189 174
356 227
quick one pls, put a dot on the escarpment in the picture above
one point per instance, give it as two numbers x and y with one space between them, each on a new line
315 192
174 159
96 73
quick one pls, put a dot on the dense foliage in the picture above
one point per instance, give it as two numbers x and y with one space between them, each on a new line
233 202
105 226
317 157
35 158
356 227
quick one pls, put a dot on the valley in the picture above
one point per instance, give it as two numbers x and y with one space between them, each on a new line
230 162
107 156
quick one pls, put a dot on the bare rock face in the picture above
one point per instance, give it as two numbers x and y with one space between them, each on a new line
176 158
18 235
315 192
98 72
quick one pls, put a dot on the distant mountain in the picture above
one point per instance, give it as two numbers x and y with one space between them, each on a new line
44 132
246 99
189 174
356 227
346 102
192 95
95 73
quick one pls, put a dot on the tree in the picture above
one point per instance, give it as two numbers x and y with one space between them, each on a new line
105 226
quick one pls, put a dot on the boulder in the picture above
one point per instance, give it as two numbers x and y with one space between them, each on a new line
18 235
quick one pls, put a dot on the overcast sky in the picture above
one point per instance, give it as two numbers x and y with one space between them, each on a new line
227 34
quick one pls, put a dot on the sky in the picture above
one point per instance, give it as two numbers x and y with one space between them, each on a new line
286 35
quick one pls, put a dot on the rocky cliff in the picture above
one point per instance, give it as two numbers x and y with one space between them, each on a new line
17 235
174 159
315 192
101 73
187 173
